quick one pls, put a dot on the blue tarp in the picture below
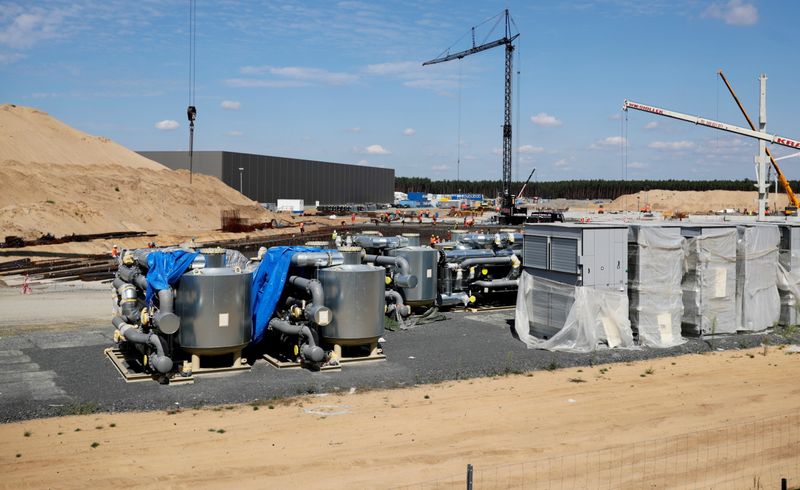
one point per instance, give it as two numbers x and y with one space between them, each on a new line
268 282
165 268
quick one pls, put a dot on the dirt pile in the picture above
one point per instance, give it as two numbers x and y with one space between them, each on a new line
56 179
694 202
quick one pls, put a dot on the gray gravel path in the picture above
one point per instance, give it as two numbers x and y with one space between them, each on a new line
55 373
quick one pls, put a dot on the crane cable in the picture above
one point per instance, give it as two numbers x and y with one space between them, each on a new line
191 111
519 129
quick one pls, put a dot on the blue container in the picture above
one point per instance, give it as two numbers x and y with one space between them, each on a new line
416 196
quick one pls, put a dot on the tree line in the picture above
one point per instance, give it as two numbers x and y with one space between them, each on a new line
572 189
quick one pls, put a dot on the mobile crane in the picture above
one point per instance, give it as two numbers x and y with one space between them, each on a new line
751 133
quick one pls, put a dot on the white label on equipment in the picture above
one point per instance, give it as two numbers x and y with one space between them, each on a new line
223 319
324 317
664 321
612 331
720 279
429 273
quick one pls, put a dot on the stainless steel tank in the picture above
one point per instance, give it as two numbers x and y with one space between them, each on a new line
423 262
213 304
355 295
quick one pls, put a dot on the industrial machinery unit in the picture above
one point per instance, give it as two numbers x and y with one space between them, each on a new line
479 268
560 257
179 305
655 270
709 284
757 300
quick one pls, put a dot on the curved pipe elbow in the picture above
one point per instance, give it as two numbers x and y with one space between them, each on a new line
404 278
316 311
397 298
159 361
310 350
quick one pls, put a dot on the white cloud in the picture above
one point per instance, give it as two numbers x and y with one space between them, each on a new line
8 58
440 168
353 130
672 145
372 150
30 26
497 151
234 133
530 149
734 12
254 83
409 132
167 125
301 74
637 165
231 105
608 143
545 120
363 162
438 78
651 125
562 164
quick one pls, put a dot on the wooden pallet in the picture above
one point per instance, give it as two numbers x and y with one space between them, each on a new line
285 364
478 309
195 365
132 370
375 353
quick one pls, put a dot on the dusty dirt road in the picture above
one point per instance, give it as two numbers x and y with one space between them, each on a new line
382 439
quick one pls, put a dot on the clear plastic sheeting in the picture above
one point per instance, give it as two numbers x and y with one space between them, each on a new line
758 305
709 285
592 318
789 286
655 269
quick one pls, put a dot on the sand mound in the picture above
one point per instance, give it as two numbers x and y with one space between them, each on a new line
56 179
694 202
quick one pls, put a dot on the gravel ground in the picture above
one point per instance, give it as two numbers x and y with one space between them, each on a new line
58 373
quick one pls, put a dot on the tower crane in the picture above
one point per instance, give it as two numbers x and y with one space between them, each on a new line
507 208
710 123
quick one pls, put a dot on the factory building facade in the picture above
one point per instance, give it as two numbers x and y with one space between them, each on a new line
266 178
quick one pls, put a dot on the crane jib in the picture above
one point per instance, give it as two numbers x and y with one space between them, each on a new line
710 123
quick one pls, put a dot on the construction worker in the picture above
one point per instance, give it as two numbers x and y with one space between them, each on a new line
353 218
433 240
302 227
114 251
334 235
419 217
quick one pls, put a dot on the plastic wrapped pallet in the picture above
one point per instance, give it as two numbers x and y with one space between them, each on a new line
592 318
709 285
655 269
758 304
789 273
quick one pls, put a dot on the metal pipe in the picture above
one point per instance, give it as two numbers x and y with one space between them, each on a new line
379 242
309 350
459 255
317 259
315 311
465 264
405 279
158 361
166 320
496 283
446 299
132 276
397 298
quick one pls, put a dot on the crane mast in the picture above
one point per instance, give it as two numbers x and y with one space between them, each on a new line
507 207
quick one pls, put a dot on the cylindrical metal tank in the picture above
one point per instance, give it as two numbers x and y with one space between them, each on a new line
214 309
413 239
355 295
318 244
423 262
352 255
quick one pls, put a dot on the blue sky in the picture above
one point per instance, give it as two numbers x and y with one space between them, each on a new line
343 81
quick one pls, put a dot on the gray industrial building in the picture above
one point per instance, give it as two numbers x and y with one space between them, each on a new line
267 179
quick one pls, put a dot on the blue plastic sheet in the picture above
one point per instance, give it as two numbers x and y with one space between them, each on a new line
268 283
165 268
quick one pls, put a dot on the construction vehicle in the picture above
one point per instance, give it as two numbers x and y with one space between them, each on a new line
508 212
751 133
